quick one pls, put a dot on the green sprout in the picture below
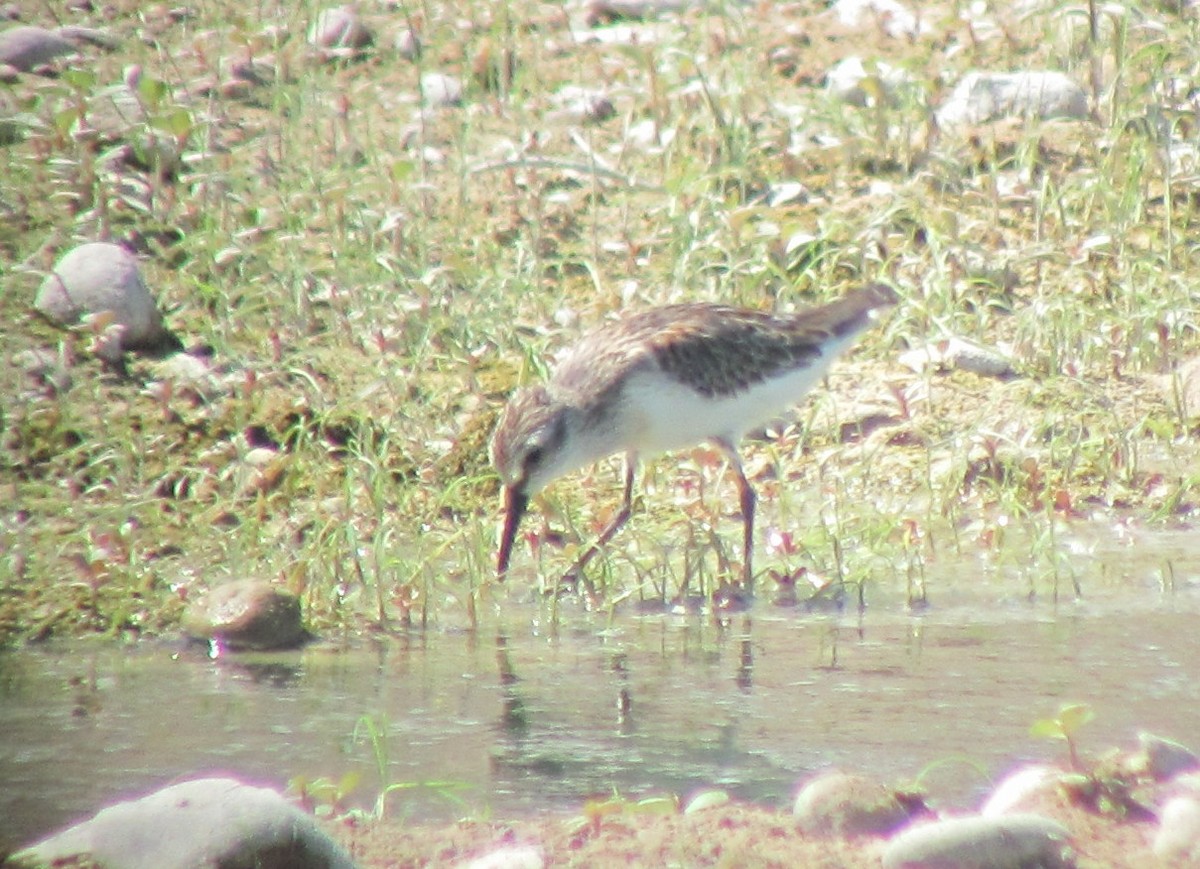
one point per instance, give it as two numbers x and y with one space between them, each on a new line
1065 726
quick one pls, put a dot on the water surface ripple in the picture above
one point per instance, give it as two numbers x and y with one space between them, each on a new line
536 721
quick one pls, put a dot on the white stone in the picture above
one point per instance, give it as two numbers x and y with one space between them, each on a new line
986 96
1018 787
1178 837
513 857
439 89
896 19
852 82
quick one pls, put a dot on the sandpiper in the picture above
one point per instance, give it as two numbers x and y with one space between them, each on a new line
663 379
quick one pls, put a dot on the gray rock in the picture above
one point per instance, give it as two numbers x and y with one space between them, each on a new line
986 96
1001 842
339 28
210 822
103 279
1178 836
247 614
1162 759
839 804
961 353
25 47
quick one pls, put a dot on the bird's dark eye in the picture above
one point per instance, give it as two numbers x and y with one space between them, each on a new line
534 457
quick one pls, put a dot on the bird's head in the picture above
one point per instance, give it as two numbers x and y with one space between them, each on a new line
528 450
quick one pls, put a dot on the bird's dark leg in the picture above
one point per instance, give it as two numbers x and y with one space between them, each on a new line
747 500
571 577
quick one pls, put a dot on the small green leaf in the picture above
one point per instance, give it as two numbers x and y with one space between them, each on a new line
402 170
151 90
1047 728
873 87
80 79
1074 716
348 783
656 806
64 120
177 122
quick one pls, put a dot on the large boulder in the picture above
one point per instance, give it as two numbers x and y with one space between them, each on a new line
200 824
103 280
24 47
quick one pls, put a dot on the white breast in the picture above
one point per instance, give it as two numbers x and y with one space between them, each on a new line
661 413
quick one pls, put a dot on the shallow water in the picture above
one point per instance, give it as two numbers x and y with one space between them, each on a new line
535 721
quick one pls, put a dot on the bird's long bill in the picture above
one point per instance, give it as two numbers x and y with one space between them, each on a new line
515 502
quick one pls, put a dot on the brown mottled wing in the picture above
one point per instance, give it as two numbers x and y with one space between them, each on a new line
717 349
720 351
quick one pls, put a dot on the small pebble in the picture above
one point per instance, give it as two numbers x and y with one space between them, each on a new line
441 90
246 614
407 44
339 27
851 81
